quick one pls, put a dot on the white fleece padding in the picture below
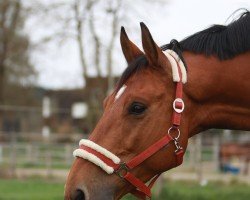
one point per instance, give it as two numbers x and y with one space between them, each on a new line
94 159
103 151
181 64
173 63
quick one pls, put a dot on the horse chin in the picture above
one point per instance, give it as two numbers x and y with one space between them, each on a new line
122 191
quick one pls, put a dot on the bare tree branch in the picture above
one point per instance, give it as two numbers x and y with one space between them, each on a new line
114 11
8 26
79 30
96 40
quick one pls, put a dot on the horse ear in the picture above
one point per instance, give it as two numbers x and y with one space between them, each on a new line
129 49
152 50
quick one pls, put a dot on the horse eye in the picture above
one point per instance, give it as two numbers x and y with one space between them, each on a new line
137 108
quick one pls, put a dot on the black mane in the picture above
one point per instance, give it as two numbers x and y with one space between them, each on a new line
225 42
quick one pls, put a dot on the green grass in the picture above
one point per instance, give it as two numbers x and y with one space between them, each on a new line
213 191
193 191
30 189
47 190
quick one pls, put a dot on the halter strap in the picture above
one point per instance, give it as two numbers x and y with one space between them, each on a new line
123 170
112 164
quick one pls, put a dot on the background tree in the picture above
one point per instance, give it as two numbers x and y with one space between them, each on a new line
16 70
94 26
86 27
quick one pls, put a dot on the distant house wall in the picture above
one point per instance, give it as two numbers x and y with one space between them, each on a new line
29 118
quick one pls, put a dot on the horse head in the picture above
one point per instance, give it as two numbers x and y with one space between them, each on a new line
136 115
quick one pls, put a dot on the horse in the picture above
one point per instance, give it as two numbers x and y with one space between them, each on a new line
165 96
232 150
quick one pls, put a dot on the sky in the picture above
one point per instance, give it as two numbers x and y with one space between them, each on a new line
59 67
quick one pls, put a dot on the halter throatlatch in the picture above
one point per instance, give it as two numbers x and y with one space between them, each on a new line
112 164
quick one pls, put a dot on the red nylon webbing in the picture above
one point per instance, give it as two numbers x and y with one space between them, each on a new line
179 157
141 195
176 119
138 184
149 152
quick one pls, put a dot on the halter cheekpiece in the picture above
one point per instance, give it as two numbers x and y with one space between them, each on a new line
112 164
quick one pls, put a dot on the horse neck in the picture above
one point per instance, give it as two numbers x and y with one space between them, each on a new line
217 93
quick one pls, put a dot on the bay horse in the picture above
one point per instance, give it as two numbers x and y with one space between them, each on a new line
165 96
232 150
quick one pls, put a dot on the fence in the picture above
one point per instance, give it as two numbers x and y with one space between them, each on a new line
37 152
34 151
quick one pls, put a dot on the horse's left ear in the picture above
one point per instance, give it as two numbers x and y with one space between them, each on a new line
151 49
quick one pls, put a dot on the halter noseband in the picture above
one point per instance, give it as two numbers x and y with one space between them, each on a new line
110 163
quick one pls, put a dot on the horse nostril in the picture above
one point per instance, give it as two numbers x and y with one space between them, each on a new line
79 195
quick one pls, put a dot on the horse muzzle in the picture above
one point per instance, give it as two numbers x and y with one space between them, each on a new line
89 183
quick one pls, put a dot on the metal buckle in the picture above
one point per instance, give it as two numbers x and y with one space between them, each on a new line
122 170
178 110
177 146
174 128
175 139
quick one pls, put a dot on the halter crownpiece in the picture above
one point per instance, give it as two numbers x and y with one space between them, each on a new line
176 63
111 164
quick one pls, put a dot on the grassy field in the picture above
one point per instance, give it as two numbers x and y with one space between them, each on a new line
213 191
30 189
47 190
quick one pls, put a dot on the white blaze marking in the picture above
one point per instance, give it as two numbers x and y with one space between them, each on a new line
120 92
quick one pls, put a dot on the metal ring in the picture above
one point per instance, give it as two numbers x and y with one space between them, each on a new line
178 110
122 170
174 128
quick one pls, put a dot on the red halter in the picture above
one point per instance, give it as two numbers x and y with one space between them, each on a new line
123 169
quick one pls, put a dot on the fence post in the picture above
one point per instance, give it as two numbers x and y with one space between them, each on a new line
68 154
216 149
46 114
13 156
192 154
1 154
199 157
36 155
29 153
48 159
